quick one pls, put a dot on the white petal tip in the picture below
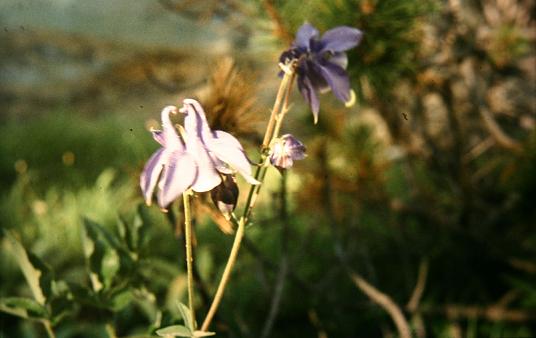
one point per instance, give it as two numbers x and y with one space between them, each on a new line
352 99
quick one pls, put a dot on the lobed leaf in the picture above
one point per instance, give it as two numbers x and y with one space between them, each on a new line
175 331
23 307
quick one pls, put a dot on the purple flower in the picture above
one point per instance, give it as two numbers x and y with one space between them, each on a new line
285 151
197 161
322 62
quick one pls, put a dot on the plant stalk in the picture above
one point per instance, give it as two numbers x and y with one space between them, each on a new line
48 328
274 124
189 256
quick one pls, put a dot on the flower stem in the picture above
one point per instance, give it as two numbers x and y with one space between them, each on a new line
48 328
110 331
226 274
189 258
274 124
281 92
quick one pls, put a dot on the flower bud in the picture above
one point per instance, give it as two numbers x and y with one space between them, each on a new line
225 195
285 151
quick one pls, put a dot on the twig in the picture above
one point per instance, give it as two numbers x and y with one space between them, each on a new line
502 139
492 313
276 298
315 321
385 302
416 296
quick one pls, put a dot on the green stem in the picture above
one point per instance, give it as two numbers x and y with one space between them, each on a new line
275 110
189 257
226 274
274 124
48 328
110 331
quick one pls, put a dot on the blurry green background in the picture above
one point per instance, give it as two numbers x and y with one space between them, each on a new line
424 188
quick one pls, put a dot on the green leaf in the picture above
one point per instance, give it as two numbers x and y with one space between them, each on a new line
94 250
199 334
23 307
185 314
31 273
109 267
175 331
121 300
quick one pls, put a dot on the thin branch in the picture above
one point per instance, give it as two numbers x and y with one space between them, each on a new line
502 139
416 296
385 302
492 313
276 299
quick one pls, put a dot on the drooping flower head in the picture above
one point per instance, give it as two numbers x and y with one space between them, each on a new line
171 166
285 151
196 161
322 62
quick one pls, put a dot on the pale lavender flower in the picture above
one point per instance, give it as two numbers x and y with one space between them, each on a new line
171 166
195 162
322 62
285 151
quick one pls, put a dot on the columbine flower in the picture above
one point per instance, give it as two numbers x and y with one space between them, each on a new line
285 151
322 62
171 166
197 163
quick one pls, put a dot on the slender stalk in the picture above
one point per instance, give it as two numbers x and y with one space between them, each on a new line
275 110
110 331
226 274
48 328
285 107
274 122
189 257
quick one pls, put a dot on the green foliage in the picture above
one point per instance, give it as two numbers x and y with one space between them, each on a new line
186 330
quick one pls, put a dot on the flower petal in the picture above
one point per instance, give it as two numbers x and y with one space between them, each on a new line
304 35
158 136
294 147
226 150
207 177
179 174
150 173
195 122
308 93
227 139
312 71
340 59
340 39
337 78
170 136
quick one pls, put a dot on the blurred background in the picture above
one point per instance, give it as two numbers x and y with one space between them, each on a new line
419 195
